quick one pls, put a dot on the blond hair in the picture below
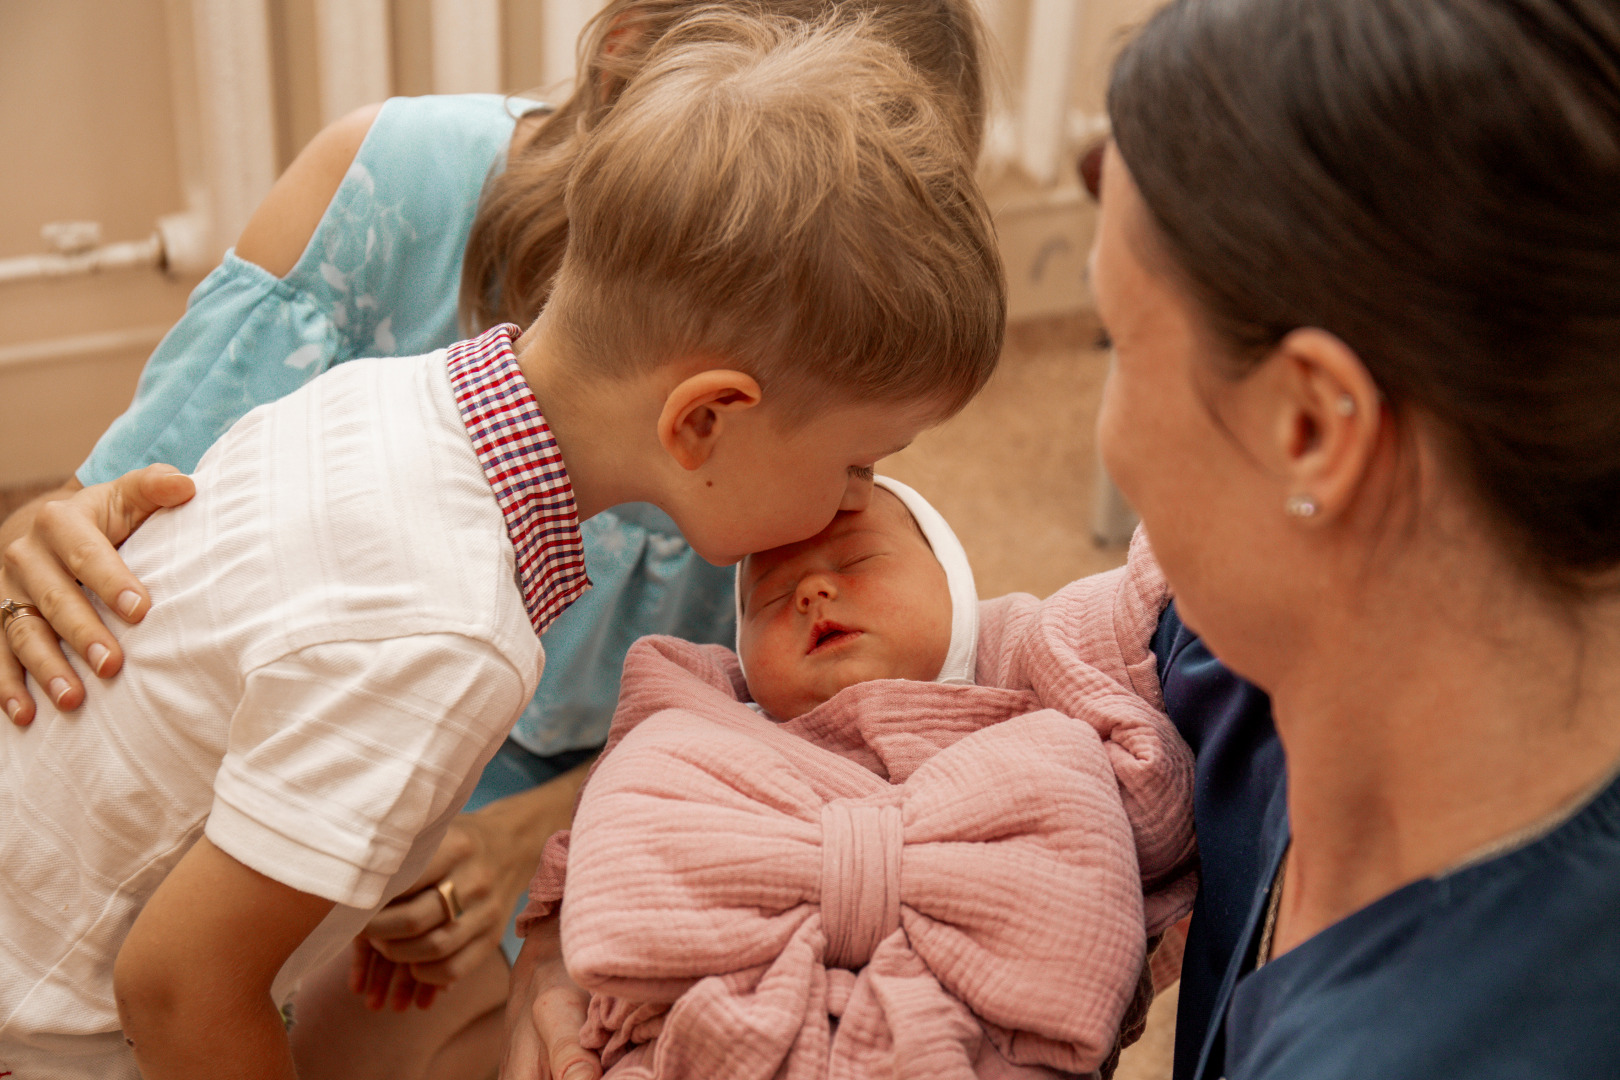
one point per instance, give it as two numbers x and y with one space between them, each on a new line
788 198
518 236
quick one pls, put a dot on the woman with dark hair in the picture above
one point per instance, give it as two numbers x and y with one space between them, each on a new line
1360 261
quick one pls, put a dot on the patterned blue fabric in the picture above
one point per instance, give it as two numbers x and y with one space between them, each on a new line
512 771
380 278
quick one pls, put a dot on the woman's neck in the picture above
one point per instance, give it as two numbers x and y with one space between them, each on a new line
1426 726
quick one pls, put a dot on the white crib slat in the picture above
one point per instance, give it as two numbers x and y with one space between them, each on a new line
467 47
352 44
1049 61
235 112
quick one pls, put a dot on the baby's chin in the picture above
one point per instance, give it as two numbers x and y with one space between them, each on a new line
789 703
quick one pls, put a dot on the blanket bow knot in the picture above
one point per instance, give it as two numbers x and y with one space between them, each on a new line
860 879
987 909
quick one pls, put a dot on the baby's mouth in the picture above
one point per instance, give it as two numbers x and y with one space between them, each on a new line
829 635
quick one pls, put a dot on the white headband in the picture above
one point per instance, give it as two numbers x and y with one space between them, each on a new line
962 657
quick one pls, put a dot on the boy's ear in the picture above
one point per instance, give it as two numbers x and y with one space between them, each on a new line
695 413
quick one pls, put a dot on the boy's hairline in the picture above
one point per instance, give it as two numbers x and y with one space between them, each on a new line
795 403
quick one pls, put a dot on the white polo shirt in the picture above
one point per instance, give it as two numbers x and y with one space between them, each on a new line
344 626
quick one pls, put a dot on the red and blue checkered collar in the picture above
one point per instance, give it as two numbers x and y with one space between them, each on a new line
524 469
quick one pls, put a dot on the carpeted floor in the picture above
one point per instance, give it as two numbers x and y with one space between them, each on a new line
1015 471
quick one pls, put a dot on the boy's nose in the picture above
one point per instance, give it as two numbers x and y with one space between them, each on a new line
857 494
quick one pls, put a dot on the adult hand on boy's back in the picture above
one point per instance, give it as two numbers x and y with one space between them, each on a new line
67 536
545 1010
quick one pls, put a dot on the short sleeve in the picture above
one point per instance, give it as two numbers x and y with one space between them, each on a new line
341 754
379 277
247 338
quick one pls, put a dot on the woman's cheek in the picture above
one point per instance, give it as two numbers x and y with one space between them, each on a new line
1117 435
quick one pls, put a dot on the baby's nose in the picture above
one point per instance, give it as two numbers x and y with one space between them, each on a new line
815 587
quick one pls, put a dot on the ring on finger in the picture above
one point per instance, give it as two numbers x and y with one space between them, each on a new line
11 611
452 903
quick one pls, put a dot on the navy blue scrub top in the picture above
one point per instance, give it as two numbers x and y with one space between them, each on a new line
1506 968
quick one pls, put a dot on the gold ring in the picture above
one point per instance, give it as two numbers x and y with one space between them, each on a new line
11 611
447 895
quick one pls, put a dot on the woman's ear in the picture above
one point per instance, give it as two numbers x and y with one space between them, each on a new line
697 410
1328 419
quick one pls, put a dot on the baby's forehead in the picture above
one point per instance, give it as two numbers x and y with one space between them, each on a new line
886 515
894 513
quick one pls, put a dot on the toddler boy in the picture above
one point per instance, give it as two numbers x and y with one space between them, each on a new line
876 866
777 273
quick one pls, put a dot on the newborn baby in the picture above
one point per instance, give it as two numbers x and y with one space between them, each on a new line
867 598
843 856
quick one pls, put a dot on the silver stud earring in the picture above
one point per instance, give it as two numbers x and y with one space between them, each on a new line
1301 506
1345 406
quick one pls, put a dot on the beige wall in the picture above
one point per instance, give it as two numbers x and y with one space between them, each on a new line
86 133
89 132
1104 28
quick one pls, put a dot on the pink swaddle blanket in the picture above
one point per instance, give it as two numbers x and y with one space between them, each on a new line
912 879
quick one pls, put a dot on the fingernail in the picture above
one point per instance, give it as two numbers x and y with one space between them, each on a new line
580 1071
58 689
13 707
128 601
98 654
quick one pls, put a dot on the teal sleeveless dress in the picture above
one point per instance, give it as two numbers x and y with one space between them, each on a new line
380 277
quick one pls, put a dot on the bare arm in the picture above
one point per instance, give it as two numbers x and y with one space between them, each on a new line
280 229
46 550
193 978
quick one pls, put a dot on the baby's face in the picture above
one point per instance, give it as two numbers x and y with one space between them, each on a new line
863 599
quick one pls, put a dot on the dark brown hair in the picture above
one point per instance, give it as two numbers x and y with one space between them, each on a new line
1436 182
517 239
